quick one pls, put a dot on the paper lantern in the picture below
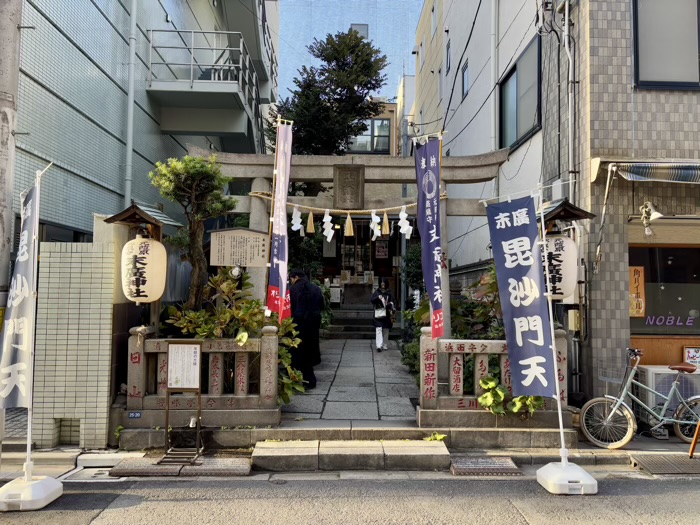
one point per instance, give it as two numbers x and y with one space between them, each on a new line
144 266
561 263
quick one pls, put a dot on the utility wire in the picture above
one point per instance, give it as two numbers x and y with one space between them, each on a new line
454 82
506 70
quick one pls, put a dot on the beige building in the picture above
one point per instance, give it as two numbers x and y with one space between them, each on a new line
430 55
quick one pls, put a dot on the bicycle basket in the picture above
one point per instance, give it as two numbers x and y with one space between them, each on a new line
611 371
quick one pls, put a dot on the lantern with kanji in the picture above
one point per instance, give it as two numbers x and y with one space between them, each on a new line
561 262
143 268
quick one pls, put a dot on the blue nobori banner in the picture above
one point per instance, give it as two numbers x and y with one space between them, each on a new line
17 337
517 254
428 180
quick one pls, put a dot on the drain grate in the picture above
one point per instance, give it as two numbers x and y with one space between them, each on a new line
666 464
484 466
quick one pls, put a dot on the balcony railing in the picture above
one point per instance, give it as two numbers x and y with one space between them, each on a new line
195 57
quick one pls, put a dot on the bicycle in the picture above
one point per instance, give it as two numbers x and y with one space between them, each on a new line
608 421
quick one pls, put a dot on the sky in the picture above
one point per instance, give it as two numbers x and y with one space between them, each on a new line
392 28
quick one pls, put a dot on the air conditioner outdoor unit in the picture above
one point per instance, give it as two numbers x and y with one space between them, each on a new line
660 378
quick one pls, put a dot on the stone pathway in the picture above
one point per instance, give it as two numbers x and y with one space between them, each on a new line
356 382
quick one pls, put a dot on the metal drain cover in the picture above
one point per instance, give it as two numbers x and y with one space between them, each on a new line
666 463
484 466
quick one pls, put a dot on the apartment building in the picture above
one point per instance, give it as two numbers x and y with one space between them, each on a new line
205 72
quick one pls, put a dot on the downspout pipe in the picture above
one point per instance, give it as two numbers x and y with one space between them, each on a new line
494 80
128 165
570 101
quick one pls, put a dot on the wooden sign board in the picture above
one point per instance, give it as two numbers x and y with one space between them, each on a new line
637 292
184 364
239 246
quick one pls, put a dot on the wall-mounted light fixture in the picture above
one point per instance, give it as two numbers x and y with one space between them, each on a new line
649 214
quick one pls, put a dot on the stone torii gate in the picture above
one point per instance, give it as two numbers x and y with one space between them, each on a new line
349 176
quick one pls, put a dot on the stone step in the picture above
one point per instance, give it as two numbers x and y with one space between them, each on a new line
51 457
15 445
286 456
352 321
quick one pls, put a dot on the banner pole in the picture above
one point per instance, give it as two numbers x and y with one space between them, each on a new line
563 451
272 206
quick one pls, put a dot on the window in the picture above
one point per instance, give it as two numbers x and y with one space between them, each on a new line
520 98
465 79
666 44
363 29
439 79
433 20
375 139
447 57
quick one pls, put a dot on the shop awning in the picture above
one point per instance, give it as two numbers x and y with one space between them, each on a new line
648 170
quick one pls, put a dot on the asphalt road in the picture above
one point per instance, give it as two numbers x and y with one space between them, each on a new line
621 501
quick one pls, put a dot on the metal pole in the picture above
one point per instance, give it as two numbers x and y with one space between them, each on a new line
10 20
130 106
570 101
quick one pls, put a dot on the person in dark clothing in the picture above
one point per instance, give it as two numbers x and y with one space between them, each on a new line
384 307
307 305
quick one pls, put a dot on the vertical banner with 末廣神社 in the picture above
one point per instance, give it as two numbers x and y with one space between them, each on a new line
277 294
17 338
521 285
428 180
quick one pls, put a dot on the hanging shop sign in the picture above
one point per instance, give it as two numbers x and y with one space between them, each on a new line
516 252
638 303
561 265
144 268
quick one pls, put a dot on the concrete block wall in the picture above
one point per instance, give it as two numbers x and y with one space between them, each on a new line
73 345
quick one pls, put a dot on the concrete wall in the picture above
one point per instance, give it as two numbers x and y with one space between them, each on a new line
73 345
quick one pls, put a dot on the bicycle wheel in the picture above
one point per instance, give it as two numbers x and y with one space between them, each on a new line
686 430
606 429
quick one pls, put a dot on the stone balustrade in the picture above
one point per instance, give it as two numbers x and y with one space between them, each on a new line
451 396
148 368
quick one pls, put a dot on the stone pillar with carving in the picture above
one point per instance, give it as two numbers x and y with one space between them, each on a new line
216 378
136 371
241 373
268 367
428 370
260 221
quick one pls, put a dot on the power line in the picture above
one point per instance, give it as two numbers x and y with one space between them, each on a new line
498 44
517 48
454 82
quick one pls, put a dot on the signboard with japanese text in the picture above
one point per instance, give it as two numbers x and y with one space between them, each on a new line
428 180
17 343
239 246
520 275
638 306
184 362
277 294
561 265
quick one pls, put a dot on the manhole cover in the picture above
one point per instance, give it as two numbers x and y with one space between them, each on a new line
484 466
666 464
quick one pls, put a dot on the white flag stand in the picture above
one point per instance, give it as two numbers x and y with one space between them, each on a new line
31 492
563 477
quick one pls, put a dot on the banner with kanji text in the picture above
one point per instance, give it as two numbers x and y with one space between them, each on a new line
521 286
277 294
428 180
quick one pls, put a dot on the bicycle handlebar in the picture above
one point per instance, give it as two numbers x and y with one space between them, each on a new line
635 352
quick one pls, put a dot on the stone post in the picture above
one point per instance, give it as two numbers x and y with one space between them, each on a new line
560 343
136 371
268 367
456 374
481 370
241 378
260 221
162 364
216 382
428 370
506 379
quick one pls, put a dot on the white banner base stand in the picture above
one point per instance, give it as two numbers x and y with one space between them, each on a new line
23 494
566 478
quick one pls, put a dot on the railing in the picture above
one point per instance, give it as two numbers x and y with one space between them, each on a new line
205 56
451 395
148 368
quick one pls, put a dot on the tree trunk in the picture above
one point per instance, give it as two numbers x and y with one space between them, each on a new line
199 266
